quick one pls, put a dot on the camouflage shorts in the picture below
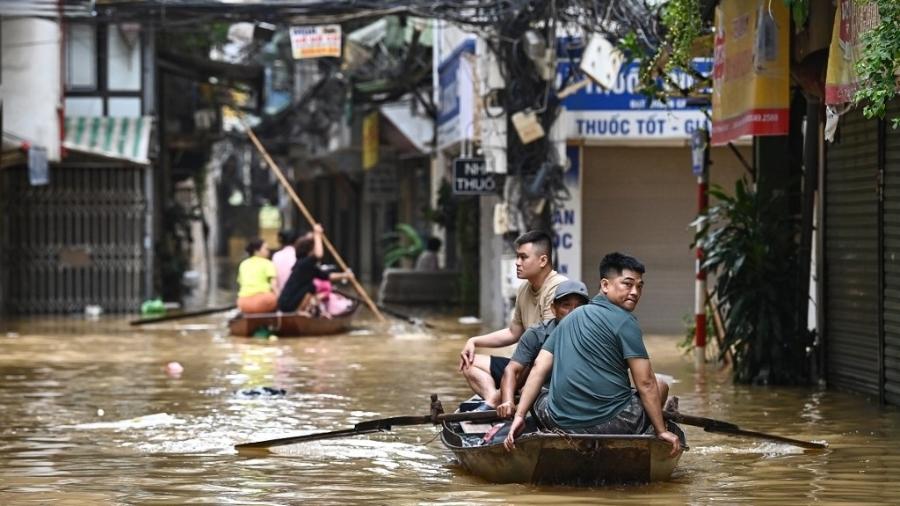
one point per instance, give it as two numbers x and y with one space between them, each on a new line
631 420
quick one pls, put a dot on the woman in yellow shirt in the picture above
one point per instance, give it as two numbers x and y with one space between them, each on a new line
256 278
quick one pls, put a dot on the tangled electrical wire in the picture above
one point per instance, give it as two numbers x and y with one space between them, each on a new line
503 25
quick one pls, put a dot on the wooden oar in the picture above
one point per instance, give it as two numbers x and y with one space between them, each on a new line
187 314
382 424
719 426
396 314
287 186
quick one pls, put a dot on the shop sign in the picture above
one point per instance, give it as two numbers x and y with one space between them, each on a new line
622 113
456 107
381 186
470 177
370 140
750 70
566 220
316 41
698 152
851 20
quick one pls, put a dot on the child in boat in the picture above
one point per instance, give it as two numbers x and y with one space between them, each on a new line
330 303
256 279
299 292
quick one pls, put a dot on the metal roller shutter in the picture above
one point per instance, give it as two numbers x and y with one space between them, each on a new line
891 240
78 241
851 257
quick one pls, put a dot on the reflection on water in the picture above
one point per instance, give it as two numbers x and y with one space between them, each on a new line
90 414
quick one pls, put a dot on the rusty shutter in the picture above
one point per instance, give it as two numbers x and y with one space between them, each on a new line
77 241
891 238
851 257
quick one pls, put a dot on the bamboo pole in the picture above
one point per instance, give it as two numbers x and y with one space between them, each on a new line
312 221
719 325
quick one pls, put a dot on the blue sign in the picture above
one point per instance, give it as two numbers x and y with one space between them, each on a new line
624 114
625 97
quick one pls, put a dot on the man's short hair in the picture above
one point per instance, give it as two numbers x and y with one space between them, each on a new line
541 240
617 262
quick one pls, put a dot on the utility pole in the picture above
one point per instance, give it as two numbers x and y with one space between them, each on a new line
700 168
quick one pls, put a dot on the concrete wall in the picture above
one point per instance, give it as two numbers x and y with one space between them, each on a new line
31 87
494 310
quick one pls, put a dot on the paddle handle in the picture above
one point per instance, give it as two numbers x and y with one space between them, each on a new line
309 217
156 319
374 426
469 416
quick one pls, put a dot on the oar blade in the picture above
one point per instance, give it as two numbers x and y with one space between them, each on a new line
810 445
283 441
722 427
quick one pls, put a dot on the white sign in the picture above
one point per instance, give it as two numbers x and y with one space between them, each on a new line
621 113
567 222
660 125
316 41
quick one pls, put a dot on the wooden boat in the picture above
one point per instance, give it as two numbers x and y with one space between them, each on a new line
292 324
573 459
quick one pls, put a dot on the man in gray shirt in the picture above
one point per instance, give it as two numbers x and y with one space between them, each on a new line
569 295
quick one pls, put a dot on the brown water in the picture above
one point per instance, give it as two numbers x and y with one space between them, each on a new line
88 415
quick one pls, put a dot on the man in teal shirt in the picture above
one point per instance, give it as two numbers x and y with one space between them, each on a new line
590 354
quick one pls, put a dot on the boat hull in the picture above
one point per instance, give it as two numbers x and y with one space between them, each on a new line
291 324
575 459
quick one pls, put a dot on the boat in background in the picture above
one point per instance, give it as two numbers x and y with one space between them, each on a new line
561 459
293 324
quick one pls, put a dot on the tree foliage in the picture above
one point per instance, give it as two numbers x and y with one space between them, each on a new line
749 245
879 63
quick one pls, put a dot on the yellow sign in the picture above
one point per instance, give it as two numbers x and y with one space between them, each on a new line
852 19
751 82
370 141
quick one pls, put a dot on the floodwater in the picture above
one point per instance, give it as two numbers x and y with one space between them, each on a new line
90 415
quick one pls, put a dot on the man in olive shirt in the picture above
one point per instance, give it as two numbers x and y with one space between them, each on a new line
590 354
533 264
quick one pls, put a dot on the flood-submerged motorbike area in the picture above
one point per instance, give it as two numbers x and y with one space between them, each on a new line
97 412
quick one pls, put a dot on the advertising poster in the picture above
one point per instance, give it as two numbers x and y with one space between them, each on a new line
851 20
316 41
750 70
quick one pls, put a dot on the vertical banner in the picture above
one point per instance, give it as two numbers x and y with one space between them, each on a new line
750 70
370 140
567 221
456 103
851 20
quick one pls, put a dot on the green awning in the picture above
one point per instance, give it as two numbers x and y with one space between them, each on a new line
119 138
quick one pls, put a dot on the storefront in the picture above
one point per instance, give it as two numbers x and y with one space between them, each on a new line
637 193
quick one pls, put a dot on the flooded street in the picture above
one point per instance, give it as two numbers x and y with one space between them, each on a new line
89 415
